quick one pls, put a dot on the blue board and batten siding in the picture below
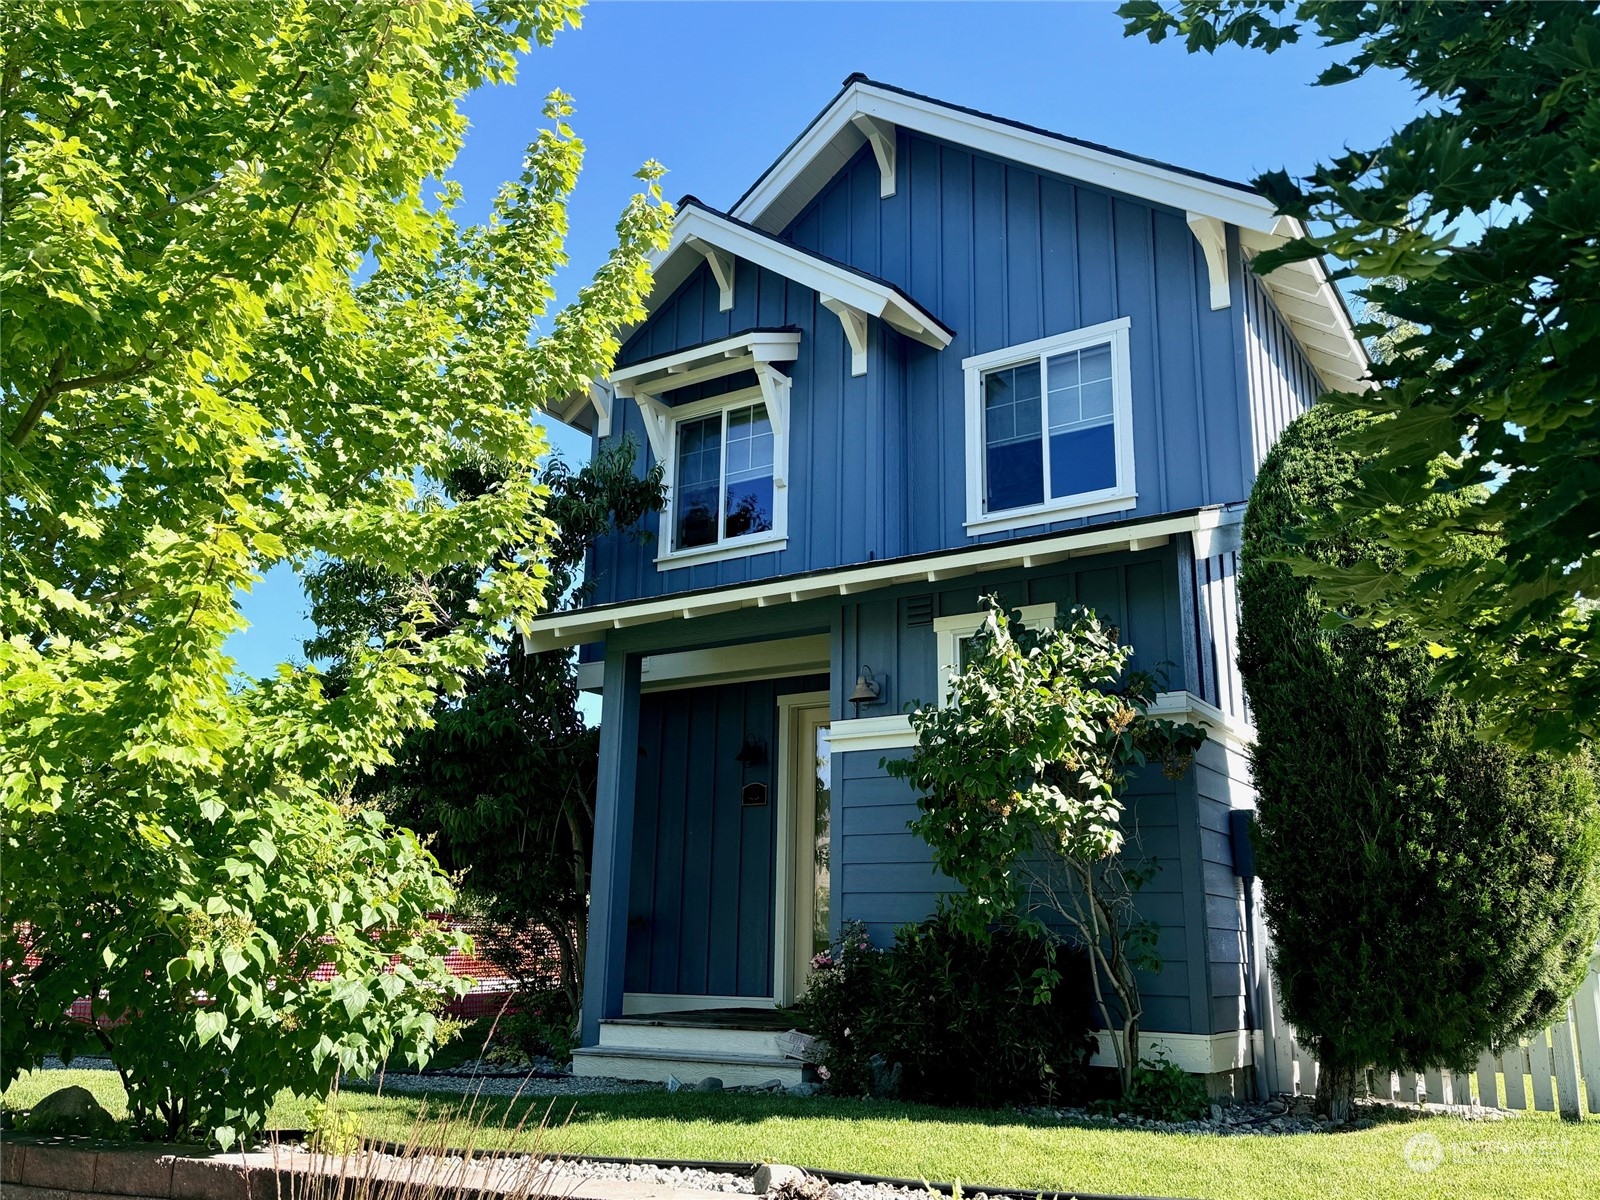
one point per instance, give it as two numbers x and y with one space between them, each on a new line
1280 382
1002 255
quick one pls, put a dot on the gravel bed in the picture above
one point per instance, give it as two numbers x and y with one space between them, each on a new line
1279 1116
533 1083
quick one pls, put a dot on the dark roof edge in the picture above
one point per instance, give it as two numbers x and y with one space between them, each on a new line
858 77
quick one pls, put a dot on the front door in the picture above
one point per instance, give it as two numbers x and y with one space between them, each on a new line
810 844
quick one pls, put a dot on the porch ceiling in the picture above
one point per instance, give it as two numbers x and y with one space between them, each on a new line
563 629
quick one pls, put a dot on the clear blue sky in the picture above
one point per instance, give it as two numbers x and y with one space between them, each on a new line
715 91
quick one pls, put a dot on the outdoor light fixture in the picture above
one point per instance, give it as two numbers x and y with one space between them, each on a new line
867 690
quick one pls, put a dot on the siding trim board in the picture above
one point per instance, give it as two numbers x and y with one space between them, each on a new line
560 630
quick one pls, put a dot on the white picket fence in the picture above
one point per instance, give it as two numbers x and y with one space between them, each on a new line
1544 1073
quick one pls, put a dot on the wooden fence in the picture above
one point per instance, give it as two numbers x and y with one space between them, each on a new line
1550 1072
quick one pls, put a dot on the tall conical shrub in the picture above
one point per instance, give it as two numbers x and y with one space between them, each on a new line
1429 894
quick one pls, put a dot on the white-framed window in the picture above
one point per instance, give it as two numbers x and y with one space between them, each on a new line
954 631
724 495
1049 429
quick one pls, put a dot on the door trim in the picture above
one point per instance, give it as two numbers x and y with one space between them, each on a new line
785 984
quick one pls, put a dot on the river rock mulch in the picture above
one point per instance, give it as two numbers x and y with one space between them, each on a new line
1281 1115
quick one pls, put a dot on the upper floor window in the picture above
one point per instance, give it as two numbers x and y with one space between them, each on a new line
1049 429
722 492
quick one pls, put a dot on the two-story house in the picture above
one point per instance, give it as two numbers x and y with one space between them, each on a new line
930 355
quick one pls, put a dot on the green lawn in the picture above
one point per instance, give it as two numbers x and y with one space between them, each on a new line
1534 1155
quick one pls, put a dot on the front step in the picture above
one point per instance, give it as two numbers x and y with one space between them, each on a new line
628 1034
738 1048
691 1066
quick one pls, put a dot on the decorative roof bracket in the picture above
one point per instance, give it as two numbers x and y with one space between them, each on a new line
855 331
880 134
1212 235
721 264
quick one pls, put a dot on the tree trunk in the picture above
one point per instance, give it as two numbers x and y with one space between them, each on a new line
1336 1088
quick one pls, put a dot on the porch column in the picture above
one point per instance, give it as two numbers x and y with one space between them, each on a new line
609 881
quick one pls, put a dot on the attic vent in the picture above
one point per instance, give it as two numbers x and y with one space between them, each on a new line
919 610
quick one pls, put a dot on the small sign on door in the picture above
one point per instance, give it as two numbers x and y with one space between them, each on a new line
755 794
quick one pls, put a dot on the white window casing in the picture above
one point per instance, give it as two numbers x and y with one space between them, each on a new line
1121 495
765 542
952 630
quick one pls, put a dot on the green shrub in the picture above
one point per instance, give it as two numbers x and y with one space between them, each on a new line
965 1020
543 1026
1431 894
1161 1091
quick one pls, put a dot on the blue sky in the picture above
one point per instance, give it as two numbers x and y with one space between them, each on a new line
715 91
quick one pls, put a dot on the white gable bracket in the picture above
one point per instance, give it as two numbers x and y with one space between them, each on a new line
855 331
655 416
880 134
600 397
721 264
775 391
1212 235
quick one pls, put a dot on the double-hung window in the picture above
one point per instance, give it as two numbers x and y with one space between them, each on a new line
722 493
1049 429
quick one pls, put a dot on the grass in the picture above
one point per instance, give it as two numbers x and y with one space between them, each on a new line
1532 1155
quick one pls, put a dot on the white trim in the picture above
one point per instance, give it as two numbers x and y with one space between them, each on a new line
1212 235
956 628
674 370
880 134
1186 706
785 934
767 206
639 1004
1196 1053
747 661
721 264
1122 495
574 627
854 322
666 422
697 229
893 732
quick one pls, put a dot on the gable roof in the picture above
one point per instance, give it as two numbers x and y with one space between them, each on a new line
865 109
699 225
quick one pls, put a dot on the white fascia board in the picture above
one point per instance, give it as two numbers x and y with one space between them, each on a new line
762 346
698 227
559 630
1115 172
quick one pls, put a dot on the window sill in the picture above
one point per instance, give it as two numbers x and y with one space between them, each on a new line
740 549
1043 514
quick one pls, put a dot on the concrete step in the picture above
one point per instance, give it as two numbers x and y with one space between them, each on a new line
665 1035
735 1070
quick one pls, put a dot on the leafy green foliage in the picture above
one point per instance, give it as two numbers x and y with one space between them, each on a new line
1018 776
1161 1091
502 779
1474 223
238 333
1431 893
966 1018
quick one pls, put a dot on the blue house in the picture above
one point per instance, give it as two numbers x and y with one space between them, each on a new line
930 355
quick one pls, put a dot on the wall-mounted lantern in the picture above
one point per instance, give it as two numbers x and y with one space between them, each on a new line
868 689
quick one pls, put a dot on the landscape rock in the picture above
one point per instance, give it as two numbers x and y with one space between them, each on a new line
674 1084
806 1088
69 1110
770 1175
709 1084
